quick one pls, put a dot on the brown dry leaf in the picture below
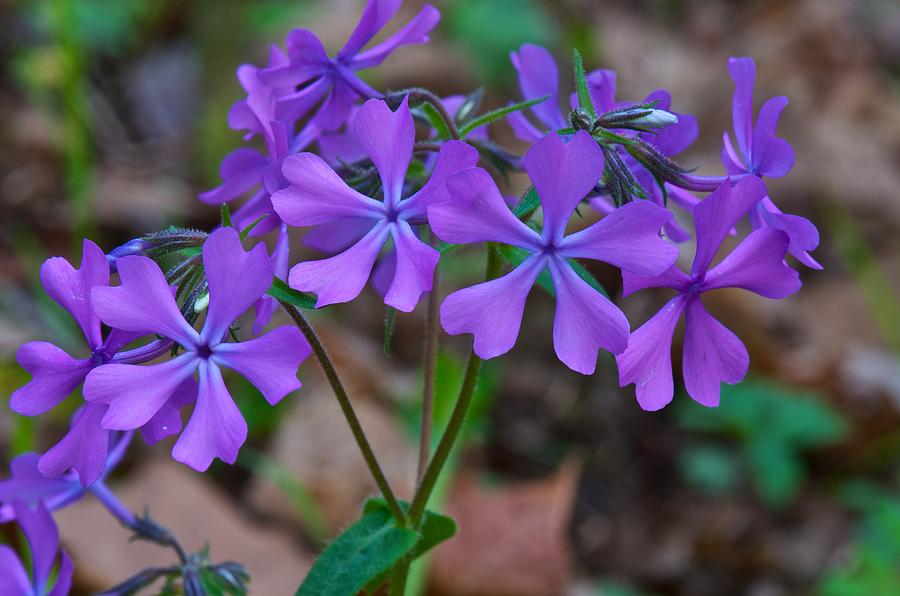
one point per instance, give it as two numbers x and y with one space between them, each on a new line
511 541
197 512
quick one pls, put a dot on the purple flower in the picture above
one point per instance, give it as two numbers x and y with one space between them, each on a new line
56 374
539 76
562 174
266 305
712 353
318 196
143 303
760 153
27 484
42 536
335 78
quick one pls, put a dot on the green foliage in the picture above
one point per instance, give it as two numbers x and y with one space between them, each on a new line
284 293
436 120
581 86
490 30
364 551
873 564
494 115
772 426
710 469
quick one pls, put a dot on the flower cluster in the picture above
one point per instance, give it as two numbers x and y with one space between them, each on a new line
342 161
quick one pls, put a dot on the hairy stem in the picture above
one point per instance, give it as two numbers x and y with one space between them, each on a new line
457 418
419 95
431 348
349 413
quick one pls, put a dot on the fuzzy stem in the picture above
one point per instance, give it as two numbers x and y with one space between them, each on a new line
349 413
419 94
431 349
457 418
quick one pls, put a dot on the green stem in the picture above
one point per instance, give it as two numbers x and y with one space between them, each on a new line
430 365
349 413
420 94
398 578
457 418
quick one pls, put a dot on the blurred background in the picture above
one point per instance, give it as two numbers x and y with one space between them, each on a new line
114 119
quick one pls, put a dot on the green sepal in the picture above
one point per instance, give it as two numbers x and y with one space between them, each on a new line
284 293
581 87
225 215
434 117
494 115
363 552
527 205
246 231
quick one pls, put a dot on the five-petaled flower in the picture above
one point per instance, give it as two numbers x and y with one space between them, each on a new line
563 173
144 303
317 195
712 353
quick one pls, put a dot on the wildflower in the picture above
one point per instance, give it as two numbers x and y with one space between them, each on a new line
317 196
42 536
143 302
562 174
266 305
56 374
760 153
712 353
335 78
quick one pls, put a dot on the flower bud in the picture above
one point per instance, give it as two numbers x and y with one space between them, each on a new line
656 119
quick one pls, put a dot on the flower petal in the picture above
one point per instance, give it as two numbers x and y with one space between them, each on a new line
772 157
216 428
318 195
375 16
539 76
414 273
338 235
266 305
602 88
453 157
476 212
28 485
54 374
71 288
627 238
673 278
563 174
84 447
241 170
342 277
647 362
415 32
803 233
492 311
43 540
167 421
712 354
270 362
715 216
387 138
143 302
757 264
63 576
14 580
136 393
236 279
307 60
743 73
585 321
337 106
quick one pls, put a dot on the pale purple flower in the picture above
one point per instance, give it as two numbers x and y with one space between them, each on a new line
42 537
539 76
27 484
318 196
56 374
586 321
143 303
760 153
335 79
712 353
265 307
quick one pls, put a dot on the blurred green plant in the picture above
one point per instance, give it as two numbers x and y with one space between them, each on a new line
769 427
873 563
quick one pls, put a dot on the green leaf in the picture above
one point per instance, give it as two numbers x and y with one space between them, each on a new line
364 551
436 120
499 113
581 87
225 215
284 293
777 470
708 468
436 528
527 205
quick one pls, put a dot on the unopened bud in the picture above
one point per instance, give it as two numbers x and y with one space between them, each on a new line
656 119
